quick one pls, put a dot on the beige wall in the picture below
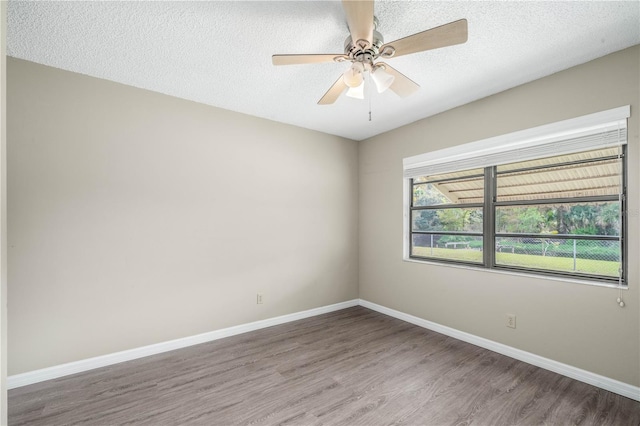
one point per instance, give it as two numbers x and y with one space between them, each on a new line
577 324
3 215
136 218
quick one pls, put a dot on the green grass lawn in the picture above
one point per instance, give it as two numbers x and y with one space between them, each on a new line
563 264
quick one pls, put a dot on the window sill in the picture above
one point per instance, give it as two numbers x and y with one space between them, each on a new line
518 274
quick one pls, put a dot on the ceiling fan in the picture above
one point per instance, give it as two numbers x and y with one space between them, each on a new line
365 46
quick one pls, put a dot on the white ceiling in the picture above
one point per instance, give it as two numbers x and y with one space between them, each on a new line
219 52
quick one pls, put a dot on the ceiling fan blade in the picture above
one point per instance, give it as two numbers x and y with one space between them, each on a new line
442 36
307 59
334 92
359 18
402 85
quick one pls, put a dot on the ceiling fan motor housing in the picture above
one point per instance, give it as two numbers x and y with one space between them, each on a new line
362 50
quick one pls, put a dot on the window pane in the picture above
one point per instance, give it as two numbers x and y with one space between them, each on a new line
428 195
463 248
453 220
448 192
590 257
448 176
577 180
598 218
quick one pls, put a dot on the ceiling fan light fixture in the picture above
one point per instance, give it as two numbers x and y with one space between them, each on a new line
353 76
382 78
356 92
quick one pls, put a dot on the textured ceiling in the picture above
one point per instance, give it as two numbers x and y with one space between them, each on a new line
219 53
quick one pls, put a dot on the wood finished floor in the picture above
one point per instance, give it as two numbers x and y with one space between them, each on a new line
351 367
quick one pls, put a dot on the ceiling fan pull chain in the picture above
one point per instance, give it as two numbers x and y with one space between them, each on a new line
369 93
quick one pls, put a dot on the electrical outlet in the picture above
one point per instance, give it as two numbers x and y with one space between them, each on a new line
511 321
259 299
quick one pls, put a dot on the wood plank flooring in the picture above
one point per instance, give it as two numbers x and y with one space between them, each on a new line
351 367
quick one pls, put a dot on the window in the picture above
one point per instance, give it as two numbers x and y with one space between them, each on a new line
447 216
549 201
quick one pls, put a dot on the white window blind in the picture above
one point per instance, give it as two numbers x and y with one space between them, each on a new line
593 131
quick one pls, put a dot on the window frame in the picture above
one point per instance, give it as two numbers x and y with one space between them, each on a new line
445 207
490 204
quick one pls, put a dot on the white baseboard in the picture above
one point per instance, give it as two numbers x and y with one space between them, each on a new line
56 371
594 379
